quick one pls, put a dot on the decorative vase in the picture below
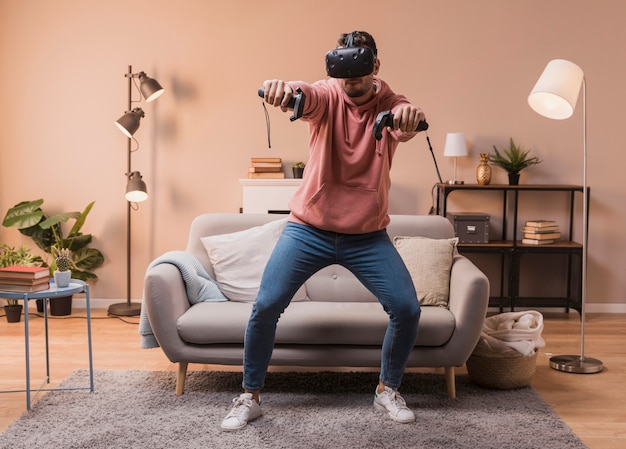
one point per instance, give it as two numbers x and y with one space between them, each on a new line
513 179
483 171
62 278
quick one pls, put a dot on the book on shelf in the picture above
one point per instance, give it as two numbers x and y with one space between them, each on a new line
541 223
542 236
540 230
267 175
21 272
527 241
25 288
266 160
265 169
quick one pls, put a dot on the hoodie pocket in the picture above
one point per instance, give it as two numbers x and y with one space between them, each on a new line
342 208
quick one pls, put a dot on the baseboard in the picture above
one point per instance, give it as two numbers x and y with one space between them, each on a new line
590 308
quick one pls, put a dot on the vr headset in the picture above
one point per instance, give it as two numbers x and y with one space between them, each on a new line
350 61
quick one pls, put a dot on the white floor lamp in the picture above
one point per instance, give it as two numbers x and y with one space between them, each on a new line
555 96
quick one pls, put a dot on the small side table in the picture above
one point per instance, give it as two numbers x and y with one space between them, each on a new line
76 286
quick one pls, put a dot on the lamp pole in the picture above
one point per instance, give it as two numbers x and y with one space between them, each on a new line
128 308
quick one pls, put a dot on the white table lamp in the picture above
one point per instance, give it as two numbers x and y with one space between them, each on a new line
455 147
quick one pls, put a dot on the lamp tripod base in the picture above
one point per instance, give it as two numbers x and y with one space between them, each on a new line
124 309
576 364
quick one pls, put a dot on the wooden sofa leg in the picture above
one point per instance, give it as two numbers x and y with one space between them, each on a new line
450 383
180 381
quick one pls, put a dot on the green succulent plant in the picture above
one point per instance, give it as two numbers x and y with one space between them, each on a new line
63 259
513 159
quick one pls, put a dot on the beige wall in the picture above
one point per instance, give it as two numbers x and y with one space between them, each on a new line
469 64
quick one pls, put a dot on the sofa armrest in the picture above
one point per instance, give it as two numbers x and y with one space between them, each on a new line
165 300
469 299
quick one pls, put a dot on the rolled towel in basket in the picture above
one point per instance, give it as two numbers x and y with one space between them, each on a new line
519 331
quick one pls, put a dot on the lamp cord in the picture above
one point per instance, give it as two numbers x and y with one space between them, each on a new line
267 124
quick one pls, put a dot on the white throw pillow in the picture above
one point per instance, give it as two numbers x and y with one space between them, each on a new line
239 258
429 262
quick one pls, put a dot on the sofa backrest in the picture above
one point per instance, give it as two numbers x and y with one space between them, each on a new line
333 283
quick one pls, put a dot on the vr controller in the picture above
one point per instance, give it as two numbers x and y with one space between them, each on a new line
296 102
385 119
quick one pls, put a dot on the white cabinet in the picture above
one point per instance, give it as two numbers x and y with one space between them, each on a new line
263 196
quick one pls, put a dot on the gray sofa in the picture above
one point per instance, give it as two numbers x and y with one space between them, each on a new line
339 324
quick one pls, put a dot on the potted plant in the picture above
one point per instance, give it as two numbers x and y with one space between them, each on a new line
513 160
62 266
16 256
48 233
298 169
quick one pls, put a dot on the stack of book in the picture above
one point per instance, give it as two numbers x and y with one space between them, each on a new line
17 278
540 232
266 167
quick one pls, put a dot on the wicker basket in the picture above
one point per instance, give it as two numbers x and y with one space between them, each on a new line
503 371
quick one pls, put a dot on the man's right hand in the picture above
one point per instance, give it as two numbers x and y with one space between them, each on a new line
277 93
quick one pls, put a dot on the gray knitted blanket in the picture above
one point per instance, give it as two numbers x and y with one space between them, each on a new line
199 285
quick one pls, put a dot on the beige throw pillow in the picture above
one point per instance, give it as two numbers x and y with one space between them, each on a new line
429 262
239 258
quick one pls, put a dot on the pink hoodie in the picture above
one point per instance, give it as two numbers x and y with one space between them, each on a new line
346 183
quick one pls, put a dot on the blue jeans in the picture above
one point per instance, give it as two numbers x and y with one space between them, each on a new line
303 250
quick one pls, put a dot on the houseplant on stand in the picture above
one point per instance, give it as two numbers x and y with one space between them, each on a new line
513 160
62 274
16 256
48 233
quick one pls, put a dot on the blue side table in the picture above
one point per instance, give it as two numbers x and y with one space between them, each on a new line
76 286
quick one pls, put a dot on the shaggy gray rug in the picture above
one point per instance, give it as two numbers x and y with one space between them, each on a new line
138 409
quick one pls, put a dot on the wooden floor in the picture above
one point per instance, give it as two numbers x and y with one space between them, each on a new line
593 405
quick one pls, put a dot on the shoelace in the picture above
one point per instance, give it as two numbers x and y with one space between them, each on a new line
239 406
396 399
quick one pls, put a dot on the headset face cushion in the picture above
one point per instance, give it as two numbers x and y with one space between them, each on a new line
350 62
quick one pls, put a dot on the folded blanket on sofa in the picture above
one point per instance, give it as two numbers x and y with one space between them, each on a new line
199 285
519 331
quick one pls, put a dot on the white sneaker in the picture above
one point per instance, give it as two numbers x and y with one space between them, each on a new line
244 409
391 402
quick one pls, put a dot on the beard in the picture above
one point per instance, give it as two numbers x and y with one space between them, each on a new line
358 88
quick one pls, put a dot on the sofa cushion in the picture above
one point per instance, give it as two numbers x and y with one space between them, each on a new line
336 283
239 258
310 323
429 262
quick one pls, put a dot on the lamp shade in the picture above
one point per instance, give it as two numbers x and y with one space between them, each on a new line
150 88
136 189
129 122
556 92
455 145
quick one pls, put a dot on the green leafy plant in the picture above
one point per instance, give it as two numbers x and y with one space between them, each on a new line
298 165
48 233
10 256
513 159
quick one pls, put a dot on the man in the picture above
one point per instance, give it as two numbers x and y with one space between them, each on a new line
338 216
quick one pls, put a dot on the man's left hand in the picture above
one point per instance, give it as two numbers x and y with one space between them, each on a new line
406 118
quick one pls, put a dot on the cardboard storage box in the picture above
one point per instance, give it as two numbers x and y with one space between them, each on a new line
470 227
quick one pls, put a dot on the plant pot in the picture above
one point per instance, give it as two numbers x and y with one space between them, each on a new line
62 278
61 306
297 172
14 313
513 179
